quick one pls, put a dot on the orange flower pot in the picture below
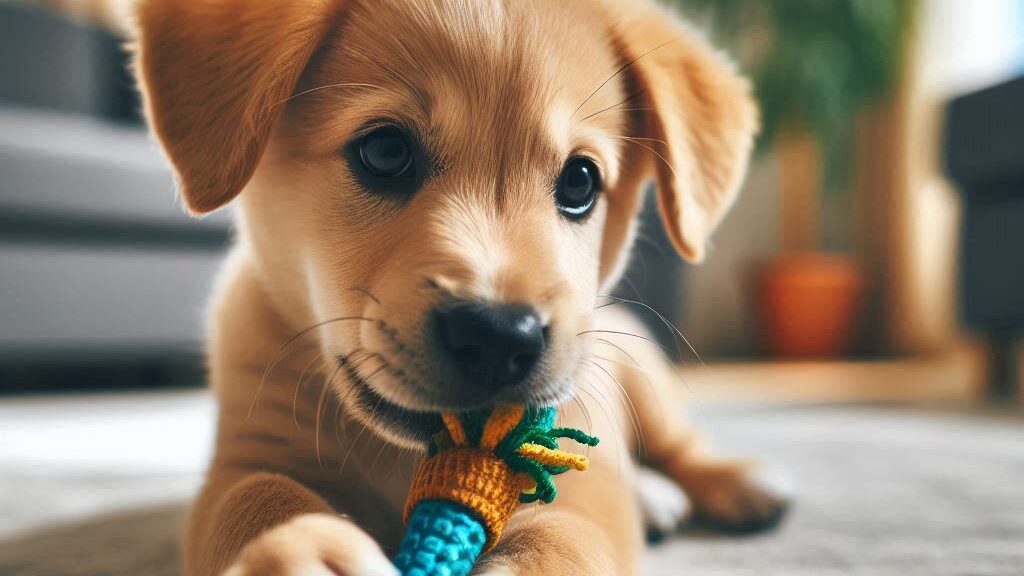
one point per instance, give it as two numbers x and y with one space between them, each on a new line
808 305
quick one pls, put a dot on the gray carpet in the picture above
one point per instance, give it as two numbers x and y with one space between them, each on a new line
882 491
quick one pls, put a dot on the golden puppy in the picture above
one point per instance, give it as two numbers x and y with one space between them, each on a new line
432 196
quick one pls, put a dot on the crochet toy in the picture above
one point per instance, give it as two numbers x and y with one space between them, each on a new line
475 474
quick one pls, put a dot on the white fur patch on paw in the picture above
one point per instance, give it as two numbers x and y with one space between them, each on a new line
662 502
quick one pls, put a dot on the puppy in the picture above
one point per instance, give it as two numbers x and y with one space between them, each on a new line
432 199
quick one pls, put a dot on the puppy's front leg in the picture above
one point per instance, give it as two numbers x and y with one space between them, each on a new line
736 495
267 524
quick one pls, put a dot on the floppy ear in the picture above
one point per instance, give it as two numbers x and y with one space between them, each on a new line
696 127
214 74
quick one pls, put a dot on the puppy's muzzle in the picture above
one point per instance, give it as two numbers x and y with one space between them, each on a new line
489 344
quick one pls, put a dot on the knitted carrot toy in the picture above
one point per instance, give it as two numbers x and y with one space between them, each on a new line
477 471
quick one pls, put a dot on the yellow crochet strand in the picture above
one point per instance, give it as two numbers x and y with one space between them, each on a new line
550 457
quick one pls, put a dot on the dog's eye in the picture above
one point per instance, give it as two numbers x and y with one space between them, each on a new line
386 153
578 185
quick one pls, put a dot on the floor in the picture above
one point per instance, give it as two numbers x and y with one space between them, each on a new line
96 485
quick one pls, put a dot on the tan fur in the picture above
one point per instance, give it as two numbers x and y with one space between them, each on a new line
699 123
215 75
256 99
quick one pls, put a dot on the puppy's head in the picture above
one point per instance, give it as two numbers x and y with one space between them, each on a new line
444 186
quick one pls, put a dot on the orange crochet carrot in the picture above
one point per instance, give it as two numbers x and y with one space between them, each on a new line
477 471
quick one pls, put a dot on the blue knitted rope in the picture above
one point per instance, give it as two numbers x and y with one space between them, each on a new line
443 539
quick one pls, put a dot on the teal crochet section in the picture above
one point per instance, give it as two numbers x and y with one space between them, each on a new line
443 539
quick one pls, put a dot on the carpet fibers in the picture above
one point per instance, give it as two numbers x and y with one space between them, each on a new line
881 491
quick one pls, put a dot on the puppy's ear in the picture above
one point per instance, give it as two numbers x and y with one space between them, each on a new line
214 74
696 124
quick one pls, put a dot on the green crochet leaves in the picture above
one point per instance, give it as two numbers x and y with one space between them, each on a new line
535 427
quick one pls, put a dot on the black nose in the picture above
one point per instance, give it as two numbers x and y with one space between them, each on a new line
492 344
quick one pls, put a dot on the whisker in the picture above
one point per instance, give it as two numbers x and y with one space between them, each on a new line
324 87
380 369
638 336
360 434
661 317
280 357
668 324
640 262
352 446
338 425
634 417
398 458
612 107
621 69
620 349
646 373
344 361
642 139
642 237
355 366
585 413
412 87
284 347
367 292
369 417
629 283
298 387
319 409
343 398
632 110
652 151
373 463
675 373
608 414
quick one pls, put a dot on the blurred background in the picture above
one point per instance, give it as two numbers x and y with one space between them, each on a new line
876 254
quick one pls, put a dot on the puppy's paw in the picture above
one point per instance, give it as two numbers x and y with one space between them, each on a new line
663 504
313 545
744 500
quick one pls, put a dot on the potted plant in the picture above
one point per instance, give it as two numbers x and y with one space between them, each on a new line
816 65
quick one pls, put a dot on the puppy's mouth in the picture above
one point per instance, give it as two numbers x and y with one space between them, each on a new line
370 406
416 427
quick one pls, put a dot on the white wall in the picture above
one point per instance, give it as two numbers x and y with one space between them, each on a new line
970 44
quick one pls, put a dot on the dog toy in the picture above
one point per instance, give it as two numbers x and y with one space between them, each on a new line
476 472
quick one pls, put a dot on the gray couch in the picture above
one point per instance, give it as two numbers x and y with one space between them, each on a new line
99 265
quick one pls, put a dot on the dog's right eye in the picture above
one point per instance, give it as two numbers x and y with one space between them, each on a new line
387 160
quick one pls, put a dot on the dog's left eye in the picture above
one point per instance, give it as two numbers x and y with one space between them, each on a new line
578 185
386 153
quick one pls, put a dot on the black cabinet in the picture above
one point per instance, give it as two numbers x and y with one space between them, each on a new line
985 157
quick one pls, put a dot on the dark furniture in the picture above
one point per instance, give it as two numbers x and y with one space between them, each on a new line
985 157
